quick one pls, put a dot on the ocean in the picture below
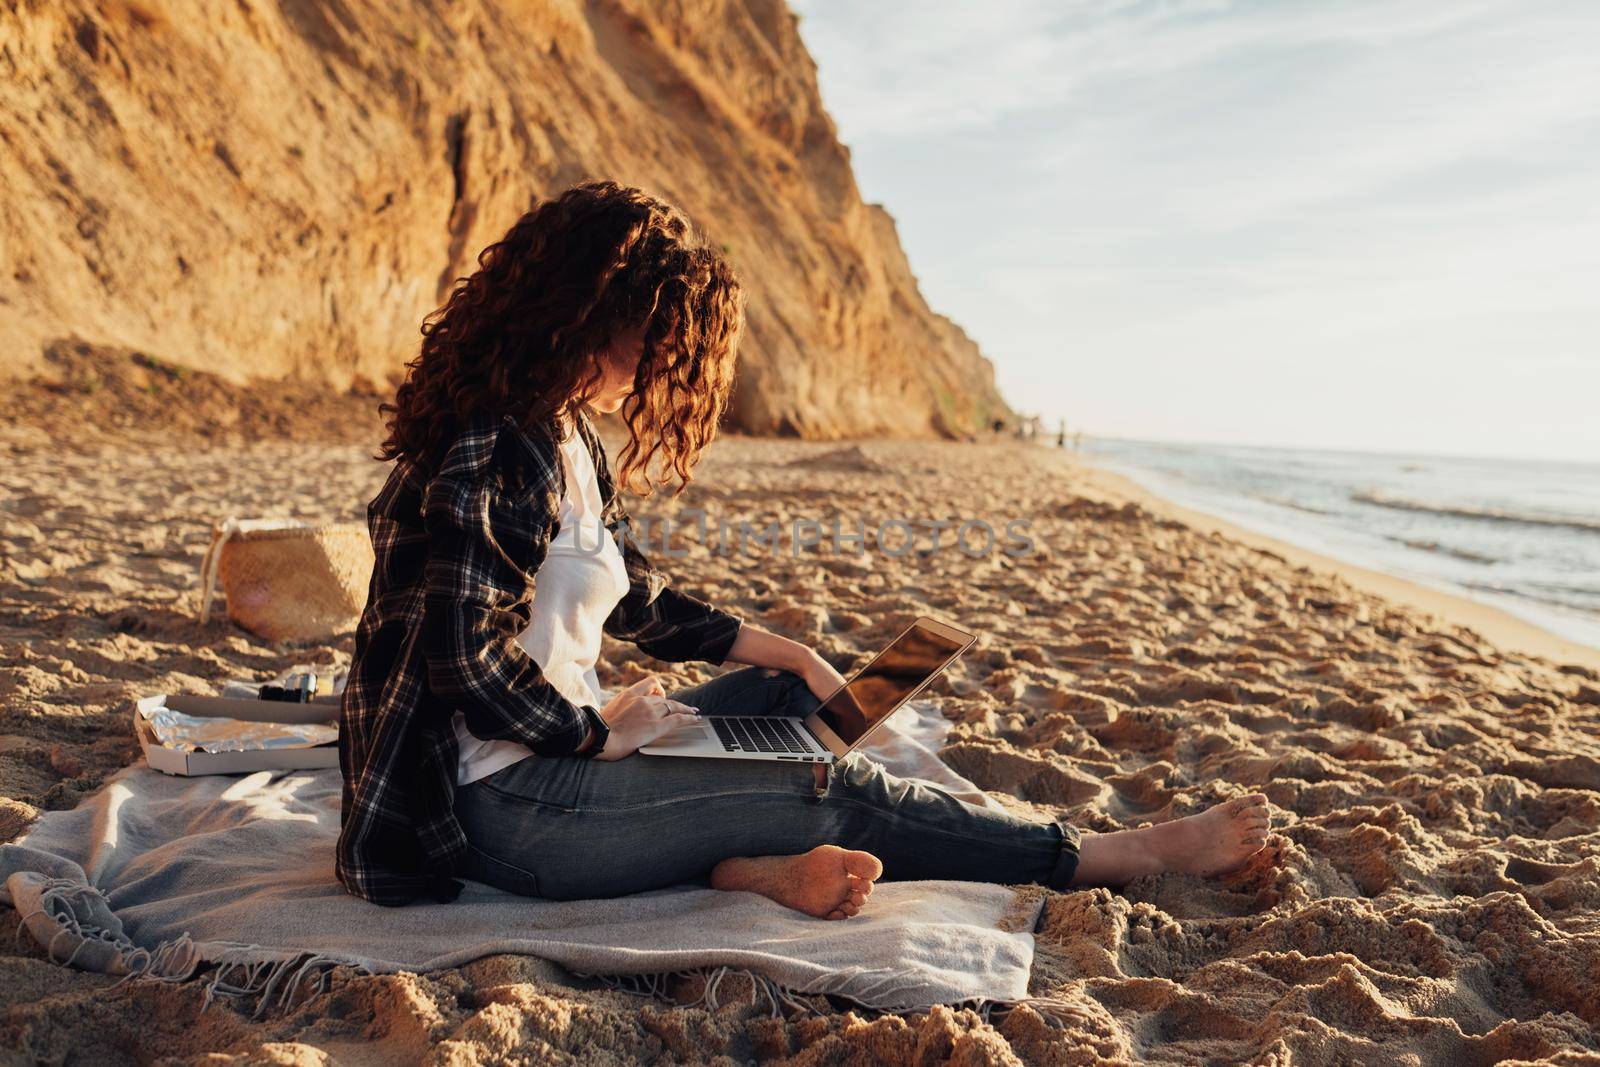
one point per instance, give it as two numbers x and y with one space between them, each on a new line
1521 535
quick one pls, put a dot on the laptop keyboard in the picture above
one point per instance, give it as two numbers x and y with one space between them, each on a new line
757 733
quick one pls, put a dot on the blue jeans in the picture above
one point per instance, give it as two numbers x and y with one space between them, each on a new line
565 828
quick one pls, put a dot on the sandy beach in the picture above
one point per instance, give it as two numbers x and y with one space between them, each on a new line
1501 628
1428 896
1319 233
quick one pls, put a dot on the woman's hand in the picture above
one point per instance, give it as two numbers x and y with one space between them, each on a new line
638 715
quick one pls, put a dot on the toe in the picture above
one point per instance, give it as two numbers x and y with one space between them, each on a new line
856 897
849 907
837 913
862 865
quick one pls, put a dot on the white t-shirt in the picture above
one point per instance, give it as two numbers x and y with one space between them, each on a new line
577 586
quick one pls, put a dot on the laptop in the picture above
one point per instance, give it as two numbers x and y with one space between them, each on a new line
840 723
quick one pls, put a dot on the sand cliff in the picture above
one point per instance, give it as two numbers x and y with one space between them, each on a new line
264 189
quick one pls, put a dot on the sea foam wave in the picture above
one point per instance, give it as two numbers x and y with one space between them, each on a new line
1386 500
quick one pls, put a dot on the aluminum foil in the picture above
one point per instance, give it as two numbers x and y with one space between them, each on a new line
189 733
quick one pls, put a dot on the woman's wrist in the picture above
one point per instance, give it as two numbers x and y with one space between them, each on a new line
596 732
802 656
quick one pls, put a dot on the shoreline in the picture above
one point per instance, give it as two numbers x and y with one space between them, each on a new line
1496 625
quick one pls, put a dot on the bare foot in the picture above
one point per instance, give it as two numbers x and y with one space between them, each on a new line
828 882
1217 840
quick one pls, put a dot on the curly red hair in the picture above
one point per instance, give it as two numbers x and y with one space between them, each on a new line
525 334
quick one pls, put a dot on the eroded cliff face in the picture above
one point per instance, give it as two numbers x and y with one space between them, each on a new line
272 188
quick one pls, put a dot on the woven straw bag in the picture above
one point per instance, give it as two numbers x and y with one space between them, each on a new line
287 580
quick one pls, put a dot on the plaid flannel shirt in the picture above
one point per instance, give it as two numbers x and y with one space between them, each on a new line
451 590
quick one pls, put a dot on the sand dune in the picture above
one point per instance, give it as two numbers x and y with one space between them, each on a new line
1429 895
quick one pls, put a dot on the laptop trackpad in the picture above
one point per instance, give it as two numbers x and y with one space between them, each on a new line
691 735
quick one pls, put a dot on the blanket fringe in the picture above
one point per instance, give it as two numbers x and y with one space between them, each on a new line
240 971
1056 1013
276 983
276 978
56 897
658 986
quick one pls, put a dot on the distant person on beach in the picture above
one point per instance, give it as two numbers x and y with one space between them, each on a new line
474 738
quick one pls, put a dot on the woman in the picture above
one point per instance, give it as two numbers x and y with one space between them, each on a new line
475 741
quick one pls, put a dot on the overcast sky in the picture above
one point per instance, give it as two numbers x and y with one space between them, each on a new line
1370 225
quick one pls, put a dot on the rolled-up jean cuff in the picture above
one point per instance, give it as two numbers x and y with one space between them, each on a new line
1067 862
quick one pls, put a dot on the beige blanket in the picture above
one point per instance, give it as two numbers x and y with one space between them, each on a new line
231 878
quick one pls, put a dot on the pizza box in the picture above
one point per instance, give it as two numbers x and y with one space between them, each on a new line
178 761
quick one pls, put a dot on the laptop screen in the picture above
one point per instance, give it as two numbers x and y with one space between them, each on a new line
882 685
